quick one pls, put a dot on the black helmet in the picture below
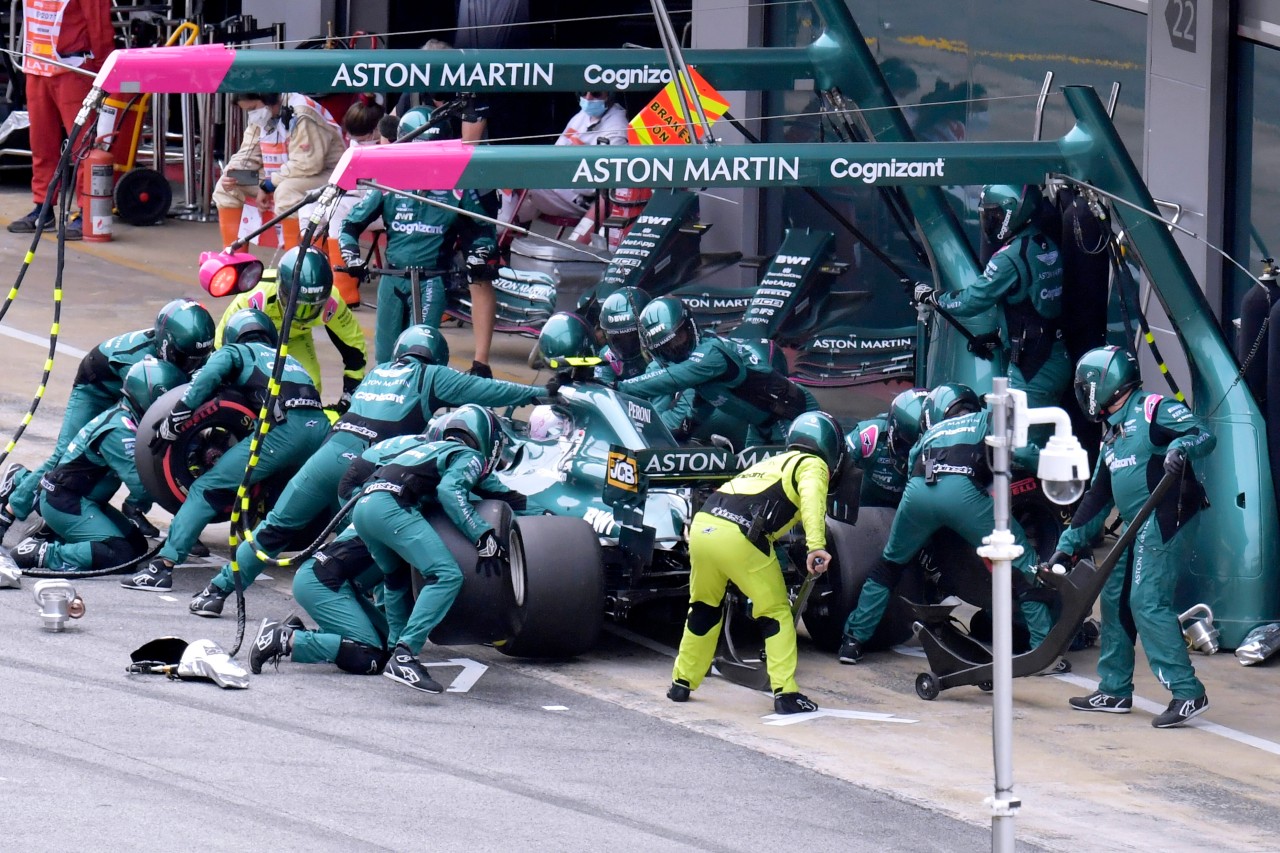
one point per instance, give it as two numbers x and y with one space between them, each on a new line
147 381
315 282
950 400
423 343
1103 376
250 325
668 332
620 320
184 334
478 428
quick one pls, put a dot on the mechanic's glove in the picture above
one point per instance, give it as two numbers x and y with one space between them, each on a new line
171 426
818 561
356 265
681 433
1175 460
482 263
266 186
349 385
1059 563
924 295
490 554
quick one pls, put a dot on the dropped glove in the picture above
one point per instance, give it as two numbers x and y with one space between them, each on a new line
171 426
266 186
924 295
490 555
482 263
1175 460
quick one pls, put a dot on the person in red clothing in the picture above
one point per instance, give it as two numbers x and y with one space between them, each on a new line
73 33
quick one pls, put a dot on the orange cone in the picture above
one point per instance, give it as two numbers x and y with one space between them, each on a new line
229 224
348 286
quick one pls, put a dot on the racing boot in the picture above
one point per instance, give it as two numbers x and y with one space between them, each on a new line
793 703
679 691
29 554
198 550
12 475
405 668
274 641
6 520
850 651
208 602
1181 711
139 520
294 622
156 577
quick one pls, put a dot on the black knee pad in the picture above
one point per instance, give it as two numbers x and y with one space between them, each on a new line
359 658
703 617
116 551
768 626
272 539
221 499
887 573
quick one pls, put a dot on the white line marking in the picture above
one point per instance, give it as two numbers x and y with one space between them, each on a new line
168 598
792 719
555 708
27 337
471 672
266 577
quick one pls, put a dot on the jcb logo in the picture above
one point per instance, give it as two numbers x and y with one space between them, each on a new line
622 471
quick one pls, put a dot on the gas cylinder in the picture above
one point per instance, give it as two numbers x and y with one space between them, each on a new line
97 183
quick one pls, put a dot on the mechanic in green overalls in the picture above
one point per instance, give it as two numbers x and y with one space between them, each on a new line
1025 278
389 518
950 479
727 376
731 539
397 398
298 426
420 236
182 335
881 445
316 306
1146 436
75 495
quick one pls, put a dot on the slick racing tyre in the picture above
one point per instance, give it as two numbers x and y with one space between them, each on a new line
479 613
855 550
170 468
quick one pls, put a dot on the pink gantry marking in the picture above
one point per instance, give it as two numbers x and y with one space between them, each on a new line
194 69
406 166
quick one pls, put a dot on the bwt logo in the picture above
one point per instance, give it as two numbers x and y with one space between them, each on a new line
791 260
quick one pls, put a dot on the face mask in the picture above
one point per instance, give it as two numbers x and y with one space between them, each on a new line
592 107
260 116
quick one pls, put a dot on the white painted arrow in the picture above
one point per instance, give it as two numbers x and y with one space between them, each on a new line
792 719
465 680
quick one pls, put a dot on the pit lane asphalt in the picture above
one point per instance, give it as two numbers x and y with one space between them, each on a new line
311 756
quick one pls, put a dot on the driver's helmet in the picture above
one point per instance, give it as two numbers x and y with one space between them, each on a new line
819 433
906 413
412 120
949 400
146 381
549 422
565 336
478 428
620 320
184 334
1004 209
1103 375
250 325
424 343
668 332
315 282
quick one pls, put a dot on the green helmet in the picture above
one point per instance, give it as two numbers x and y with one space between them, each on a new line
184 334
315 282
423 343
820 434
906 413
146 381
949 400
565 336
620 320
1103 376
412 120
478 428
667 331
250 326
1003 209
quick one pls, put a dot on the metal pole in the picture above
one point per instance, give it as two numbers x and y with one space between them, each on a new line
1001 550
159 126
687 94
188 107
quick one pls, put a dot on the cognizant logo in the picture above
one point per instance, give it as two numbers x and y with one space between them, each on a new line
869 173
624 78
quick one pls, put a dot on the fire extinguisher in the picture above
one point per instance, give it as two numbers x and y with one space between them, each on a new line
97 183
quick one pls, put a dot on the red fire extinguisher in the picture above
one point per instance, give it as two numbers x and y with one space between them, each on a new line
97 183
